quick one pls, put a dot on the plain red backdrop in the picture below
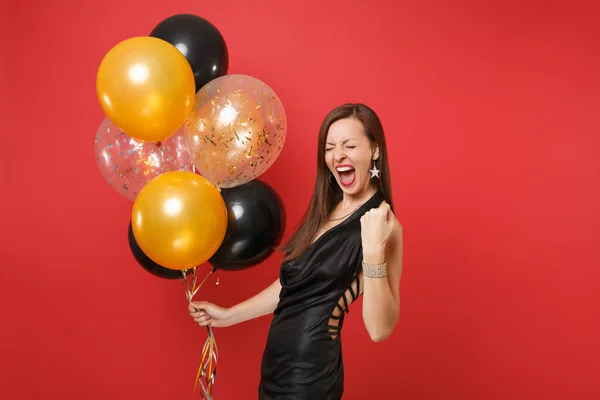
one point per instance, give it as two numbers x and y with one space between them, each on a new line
491 113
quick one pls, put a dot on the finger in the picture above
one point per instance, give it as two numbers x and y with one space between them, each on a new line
200 305
205 323
389 217
384 207
202 319
392 221
198 314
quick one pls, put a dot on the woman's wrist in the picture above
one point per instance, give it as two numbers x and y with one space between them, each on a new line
233 315
374 254
241 312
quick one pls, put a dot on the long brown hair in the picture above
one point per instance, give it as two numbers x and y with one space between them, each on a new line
327 194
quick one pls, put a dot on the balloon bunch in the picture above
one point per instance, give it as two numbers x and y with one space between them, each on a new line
186 141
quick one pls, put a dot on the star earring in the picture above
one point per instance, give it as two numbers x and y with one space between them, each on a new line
374 172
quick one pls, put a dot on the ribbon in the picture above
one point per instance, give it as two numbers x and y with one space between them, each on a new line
208 364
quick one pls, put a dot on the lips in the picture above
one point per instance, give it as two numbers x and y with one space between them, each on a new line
346 174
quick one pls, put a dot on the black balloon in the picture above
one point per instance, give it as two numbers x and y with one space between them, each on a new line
200 42
148 264
255 226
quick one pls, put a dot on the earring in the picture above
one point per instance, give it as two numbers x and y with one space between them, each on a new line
374 172
330 175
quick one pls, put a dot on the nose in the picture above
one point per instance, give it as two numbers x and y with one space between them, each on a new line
339 155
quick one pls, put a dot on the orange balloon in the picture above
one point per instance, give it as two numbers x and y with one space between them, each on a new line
146 87
179 220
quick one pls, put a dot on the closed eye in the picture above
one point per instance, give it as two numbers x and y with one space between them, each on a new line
351 147
329 149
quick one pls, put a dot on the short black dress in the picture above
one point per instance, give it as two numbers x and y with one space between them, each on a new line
302 359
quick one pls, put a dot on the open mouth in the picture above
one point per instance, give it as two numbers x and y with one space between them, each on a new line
346 173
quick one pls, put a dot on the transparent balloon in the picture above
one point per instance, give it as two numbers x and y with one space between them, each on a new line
236 130
127 164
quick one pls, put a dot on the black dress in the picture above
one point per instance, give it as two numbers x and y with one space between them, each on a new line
302 359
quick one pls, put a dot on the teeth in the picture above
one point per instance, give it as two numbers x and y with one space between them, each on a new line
344 169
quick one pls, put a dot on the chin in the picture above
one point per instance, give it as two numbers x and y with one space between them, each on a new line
355 188
351 190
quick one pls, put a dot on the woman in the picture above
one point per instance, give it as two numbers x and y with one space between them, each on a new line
348 244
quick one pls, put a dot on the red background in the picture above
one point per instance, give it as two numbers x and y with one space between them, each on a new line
491 112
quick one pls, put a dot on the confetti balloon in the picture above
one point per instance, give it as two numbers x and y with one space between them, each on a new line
179 220
236 130
128 164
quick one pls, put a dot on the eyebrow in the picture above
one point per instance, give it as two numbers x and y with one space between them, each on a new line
344 142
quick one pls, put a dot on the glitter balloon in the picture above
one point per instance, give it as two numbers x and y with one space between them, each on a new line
236 130
128 164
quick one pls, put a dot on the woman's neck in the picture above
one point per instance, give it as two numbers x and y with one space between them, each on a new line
350 201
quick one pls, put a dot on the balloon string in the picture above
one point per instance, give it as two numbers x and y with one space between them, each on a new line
207 369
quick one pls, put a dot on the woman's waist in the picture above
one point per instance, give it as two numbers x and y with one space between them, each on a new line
291 306
299 344
298 332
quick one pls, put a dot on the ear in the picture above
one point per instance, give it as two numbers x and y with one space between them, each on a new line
375 152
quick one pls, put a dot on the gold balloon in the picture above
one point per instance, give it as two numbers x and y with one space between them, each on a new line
146 87
236 130
179 220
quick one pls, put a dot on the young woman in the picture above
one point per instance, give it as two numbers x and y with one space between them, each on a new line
349 244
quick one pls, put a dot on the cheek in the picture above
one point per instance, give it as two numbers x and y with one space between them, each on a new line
329 159
363 162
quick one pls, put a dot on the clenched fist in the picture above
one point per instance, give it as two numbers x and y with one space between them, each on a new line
205 313
376 227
